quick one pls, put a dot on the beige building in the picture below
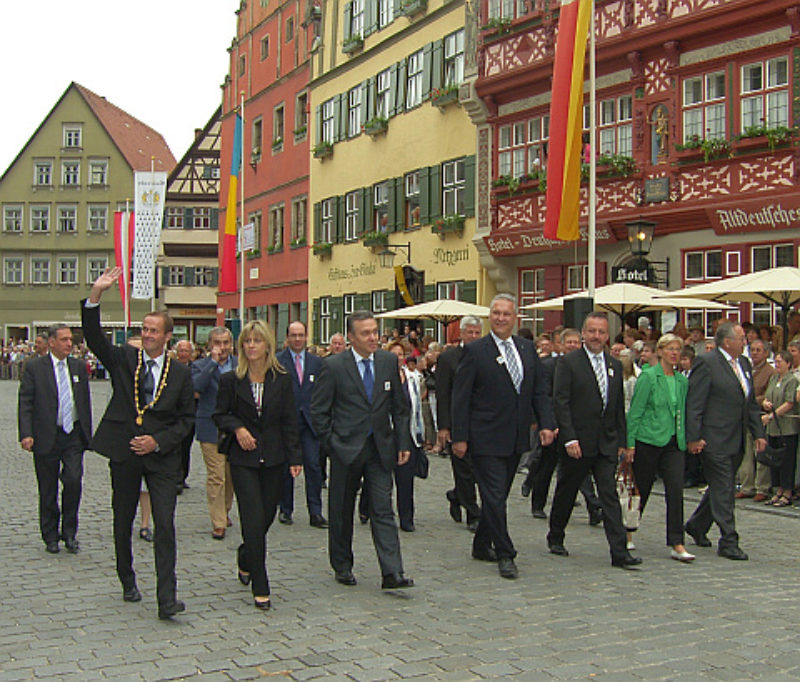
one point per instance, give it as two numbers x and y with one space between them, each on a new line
58 199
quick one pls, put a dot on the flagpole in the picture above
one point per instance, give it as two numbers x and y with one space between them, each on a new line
592 256
125 266
155 242
241 222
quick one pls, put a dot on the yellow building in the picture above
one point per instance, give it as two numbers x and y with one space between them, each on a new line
394 160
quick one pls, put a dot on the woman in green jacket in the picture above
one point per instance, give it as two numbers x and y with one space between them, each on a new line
656 430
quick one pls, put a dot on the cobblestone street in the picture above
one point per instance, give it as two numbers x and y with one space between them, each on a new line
576 618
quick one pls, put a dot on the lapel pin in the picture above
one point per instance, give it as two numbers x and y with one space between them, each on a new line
387 386
611 371
311 378
501 360
75 379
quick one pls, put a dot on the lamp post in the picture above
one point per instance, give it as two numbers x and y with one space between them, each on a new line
640 241
387 256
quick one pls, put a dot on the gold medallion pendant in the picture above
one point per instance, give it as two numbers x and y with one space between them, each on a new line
139 420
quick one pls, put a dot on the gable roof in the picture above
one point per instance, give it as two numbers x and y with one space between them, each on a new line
195 148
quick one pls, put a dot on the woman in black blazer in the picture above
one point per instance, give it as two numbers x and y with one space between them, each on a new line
255 403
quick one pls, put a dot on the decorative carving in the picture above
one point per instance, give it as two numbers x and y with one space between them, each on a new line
635 60
661 9
515 51
793 16
659 137
638 129
673 50
628 13
655 74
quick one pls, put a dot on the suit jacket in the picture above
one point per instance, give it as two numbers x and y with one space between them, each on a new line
488 413
205 378
445 374
652 417
302 393
716 408
579 408
169 421
343 417
38 401
275 430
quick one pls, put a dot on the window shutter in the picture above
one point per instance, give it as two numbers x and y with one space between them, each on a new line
342 115
370 16
283 318
427 64
213 279
371 96
304 311
315 320
392 208
164 220
435 193
214 218
338 219
429 292
470 291
164 276
318 125
424 196
437 77
337 315
348 21
364 102
396 4
188 218
400 98
469 186
337 115
188 276
392 94
365 210
317 222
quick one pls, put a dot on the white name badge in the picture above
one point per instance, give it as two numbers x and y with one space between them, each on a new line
501 360
387 386
611 371
311 378
75 379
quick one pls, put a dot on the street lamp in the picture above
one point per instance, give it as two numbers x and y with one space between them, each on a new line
387 256
640 237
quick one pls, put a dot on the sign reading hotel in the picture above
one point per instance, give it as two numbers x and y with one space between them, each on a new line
756 215
532 240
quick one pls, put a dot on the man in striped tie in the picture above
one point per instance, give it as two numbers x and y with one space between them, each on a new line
55 424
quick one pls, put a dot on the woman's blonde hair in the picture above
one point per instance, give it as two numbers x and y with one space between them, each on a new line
667 339
260 330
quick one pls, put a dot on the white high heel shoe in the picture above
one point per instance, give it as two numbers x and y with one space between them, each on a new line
683 556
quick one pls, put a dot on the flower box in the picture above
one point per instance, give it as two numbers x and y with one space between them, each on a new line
323 150
322 248
376 126
409 8
375 239
444 97
448 223
353 44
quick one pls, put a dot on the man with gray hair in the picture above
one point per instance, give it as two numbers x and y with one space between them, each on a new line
184 350
463 494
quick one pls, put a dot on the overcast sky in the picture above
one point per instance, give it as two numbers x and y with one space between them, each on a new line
162 61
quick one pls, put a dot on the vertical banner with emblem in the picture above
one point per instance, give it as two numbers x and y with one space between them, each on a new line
150 188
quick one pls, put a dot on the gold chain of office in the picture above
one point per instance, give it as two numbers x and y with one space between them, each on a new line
161 384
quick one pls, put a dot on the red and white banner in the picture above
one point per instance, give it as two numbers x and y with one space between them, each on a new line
123 243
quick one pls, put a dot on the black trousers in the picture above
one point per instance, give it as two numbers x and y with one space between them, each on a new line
64 462
783 476
494 476
717 504
667 461
126 482
540 476
185 450
571 474
258 493
404 483
465 489
312 475
343 485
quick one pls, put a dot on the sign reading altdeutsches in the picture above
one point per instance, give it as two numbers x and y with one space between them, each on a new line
756 215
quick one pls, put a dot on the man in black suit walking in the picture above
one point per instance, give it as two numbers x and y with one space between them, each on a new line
590 412
463 493
720 408
497 394
360 413
55 423
151 411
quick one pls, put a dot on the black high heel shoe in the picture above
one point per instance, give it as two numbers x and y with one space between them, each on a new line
263 605
244 578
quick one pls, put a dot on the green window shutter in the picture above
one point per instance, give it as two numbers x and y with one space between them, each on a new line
436 65
337 115
469 186
317 222
304 311
424 196
371 90
364 102
214 279
188 277
214 218
365 210
342 116
435 192
370 16
315 320
164 276
396 4
348 21
338 217
164 219
283 319
470 291
400 96
318 125
392 90
430 292
427 65
188 218
392 208
337 315
364 302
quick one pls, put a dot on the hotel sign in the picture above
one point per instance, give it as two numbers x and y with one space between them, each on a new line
515 242
756 215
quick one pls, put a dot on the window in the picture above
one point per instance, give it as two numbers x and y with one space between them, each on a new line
577 277
349 301
176 275
12 218
98 173
385 12
242 65
43 173
255 218
380 203
12 270
258 134
301 114
412 199
70 172
204 277
354 111
67 219
614 126
40 270
538 135
174 217
264 48
325 319
453 187
531 290
277 126
95 266
357 18
704 107
703 264
351 215
505 9
382 85
68 270
98 219
298 226
276 227
201 218
772 256
40 218
328 121
414 80
512 146
289 29
765 101
327 232
72 136
380 301
454 58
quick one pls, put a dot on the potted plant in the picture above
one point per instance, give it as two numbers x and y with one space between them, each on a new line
376 125
353 44
448 223
300 132
277 143
409 8
322 150
712 148
297 243
322 248
441 97
500 24
375 238
753 137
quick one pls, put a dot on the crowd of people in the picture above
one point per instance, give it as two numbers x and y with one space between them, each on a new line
362 415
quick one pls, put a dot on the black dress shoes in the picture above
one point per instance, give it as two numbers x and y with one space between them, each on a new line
472 526
363 518
596 516
732 553
318 521
455 507
700 539
627 560
131 594
507 568
173 609
539 514
556 548
53 547
526 489
345 577
408 527
285 519
487 554
72 545
396 581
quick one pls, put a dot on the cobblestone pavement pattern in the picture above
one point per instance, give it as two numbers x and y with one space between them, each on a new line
63 617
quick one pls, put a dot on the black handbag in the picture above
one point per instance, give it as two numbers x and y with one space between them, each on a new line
225 441
773 456
421 470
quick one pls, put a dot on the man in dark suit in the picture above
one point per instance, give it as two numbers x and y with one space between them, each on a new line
184 353
498 393
359 411
304 369
150 412
590 412
720 409
55 423
464 492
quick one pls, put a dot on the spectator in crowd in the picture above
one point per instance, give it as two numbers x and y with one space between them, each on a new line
697 340
629 376
336 344
616 349
184 353
686 360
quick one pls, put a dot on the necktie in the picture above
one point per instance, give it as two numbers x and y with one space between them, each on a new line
600 373
298 367
148 382
369 378
64 398
513 365
737 370
418 426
